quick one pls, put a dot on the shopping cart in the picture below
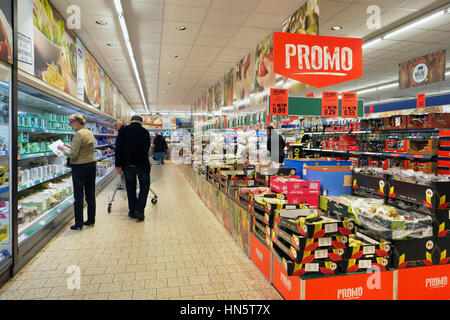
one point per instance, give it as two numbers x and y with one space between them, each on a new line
121 186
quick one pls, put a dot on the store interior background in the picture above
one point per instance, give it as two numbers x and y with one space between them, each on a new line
219 33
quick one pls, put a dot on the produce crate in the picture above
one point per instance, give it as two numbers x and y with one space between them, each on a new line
317 228
364 184
365 263
410 253
434 196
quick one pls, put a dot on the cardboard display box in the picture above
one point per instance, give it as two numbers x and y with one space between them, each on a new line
427 147
435 196
283 280
293 186
395 122
317 228
368 247
424 283
311 201
261 256
430 120
365 263
373 185
410 253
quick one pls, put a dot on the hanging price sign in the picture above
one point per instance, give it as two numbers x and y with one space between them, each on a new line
371 108
421 101
279 102
349 105
330 102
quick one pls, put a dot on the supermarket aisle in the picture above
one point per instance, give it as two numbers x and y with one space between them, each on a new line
179 252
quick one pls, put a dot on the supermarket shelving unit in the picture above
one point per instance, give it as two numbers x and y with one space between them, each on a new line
36 97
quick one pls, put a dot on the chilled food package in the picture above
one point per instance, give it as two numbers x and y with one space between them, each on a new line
394 224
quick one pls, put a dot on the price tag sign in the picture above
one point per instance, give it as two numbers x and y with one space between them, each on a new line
371 108
330 102
349 105
310 95
421 101
279 102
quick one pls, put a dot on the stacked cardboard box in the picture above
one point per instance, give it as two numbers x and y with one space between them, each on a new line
296 190
305 242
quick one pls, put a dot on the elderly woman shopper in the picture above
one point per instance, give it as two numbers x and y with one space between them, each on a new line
83 163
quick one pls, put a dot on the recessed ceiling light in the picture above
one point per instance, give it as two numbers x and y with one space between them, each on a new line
173 56
118 60
334 28
180 28
170 72
111 44
101 22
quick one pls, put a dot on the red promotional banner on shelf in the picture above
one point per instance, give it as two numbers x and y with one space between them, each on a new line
279 102
421 103
318 61
349 107
330 103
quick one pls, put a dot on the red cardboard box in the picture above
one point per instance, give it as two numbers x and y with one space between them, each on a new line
424 283
312 201
363 286
295 186
260 256
287 286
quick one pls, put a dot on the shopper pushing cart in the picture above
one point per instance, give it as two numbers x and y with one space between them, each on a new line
132 147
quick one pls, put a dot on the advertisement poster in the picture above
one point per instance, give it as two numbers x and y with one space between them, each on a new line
6 33
243 78
152 121
183 122
204 104
423 70
55 54
25 41
119 107
304 21
218 96
92 81
210 99
264 74
228 94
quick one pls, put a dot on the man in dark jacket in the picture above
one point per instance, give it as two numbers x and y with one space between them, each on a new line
132 147
277 141
160 148
118 125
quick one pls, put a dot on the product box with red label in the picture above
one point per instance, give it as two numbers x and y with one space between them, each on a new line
294 186
311 201
261 256
430 120
395 122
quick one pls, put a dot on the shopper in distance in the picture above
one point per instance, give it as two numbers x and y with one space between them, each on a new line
275 145
160 148
132 148
83 163
119 125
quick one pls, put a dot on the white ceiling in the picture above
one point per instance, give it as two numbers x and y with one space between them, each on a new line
220 32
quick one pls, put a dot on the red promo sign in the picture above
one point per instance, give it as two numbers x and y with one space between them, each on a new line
330 104
424 283
421 103
349 107
279 102
362 286
371 108
319 61
310 95
260 256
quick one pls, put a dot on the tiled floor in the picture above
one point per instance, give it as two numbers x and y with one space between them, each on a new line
180 251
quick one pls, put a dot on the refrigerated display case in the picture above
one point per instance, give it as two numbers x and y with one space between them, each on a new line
45 193
6 220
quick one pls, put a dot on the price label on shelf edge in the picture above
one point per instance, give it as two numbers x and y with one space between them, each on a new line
421 101
330 103
279 99
349 106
